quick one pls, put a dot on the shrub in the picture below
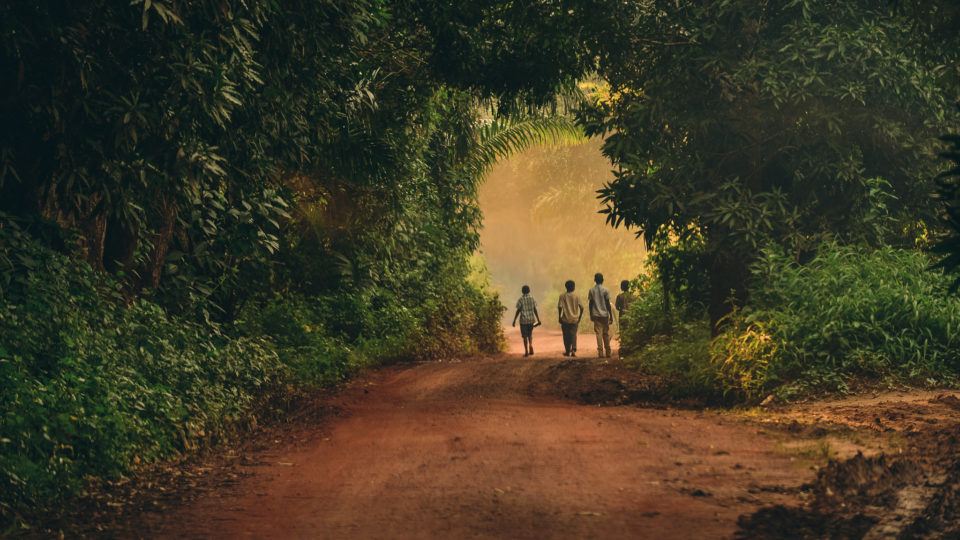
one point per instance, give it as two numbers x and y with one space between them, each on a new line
849 313
459 318
297 331
90 386
325 338
671 343
682 266
741 360
646 317
682 358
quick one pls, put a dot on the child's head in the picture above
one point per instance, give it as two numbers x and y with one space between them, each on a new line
625 285
570 285
525 289
598 278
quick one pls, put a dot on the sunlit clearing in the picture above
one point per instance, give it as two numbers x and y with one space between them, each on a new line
542 226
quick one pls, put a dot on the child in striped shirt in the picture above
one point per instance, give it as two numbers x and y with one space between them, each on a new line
529 318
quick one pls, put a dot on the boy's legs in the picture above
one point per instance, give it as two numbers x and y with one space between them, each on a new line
598 332
565 329
526 331
606 338
574 328
602 330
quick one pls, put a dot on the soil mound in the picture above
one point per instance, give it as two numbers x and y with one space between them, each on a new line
874 497
942 515
949 400
865 481
594 382
778 522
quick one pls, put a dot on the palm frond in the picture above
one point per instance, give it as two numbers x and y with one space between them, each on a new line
501 138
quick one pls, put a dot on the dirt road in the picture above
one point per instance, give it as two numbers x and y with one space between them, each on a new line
466 450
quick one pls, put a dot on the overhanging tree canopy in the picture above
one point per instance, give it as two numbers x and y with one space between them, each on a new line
789 121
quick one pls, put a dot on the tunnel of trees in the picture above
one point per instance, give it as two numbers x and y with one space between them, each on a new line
207 206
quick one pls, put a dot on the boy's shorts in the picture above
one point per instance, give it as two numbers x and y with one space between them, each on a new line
526 330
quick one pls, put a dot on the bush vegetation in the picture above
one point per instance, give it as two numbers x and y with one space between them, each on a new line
798 122
849 315
92 384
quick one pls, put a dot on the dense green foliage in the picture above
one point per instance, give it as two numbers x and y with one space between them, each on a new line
668 338
791 122
948 193
784 190
171 141
91 386
850 315
207 205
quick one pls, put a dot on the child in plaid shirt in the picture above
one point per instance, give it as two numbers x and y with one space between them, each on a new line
529 318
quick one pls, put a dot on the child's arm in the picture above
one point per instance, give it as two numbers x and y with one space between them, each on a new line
537 314
515 315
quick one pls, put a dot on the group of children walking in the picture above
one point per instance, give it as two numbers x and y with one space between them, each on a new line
570 311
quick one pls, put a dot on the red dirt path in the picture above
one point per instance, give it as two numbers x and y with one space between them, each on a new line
462 450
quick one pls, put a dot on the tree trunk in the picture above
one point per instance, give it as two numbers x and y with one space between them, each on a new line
150 277
94 230
728 287
119 247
